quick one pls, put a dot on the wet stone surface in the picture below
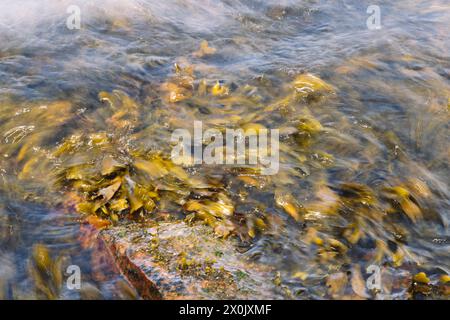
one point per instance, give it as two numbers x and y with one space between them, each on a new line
176 261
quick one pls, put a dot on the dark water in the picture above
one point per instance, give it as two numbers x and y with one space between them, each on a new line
386 126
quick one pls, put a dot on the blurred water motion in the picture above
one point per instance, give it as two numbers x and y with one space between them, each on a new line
381 139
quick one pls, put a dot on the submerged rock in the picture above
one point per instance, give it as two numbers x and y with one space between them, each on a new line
174 260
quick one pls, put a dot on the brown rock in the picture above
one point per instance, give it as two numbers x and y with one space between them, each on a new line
178 261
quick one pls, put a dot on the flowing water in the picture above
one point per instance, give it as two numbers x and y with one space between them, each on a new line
363 159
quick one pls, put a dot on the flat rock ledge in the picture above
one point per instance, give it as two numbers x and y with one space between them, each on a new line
178 261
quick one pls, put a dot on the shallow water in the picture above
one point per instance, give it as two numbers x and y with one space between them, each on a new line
386 125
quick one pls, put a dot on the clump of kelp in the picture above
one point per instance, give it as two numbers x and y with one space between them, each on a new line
50 276
116 178
116 166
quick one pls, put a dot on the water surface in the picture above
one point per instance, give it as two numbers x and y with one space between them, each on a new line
385 126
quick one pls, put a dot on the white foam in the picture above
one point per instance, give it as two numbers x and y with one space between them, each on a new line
26 15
